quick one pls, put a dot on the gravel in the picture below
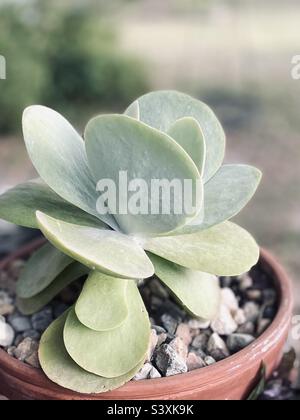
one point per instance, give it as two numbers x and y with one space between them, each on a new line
179 343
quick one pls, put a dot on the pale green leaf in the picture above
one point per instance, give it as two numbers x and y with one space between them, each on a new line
58 154
162 109
111 353
198 292
134 111
187 132
223 250
225 195
117 143
104 250
38 302
62 370
102 305
20 204
41 270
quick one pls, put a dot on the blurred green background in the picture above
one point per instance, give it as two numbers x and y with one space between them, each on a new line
86 57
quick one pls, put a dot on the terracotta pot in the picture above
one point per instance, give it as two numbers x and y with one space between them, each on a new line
231 379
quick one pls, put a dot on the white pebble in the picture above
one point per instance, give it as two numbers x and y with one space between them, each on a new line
229 299
7 334
224 324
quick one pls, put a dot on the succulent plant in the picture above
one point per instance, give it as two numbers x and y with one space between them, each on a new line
101 342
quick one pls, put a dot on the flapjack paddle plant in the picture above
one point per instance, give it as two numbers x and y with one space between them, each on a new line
162 141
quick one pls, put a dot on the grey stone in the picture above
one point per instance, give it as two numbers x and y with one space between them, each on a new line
200 342
246 328
7 334
143 373
169 323
226 281
33 360
251 310
263 325
196 324
199 352
254 294
11 351
217 348
224 324
240 317
237 342
194 362
269 312
19 338
5 298
6 309
269 296
19 323
41 320
246 282
156 302
209 361
154 373
158 289
158 329
25 349
183 331
35 335
161 338
168 362
180 347
59 309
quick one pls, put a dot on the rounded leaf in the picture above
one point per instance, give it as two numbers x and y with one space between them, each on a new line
41 270
102 305
36 303
118 145
187 132
225 195
223 250
111 353
20 204
162 109
198 292
104 250
62 370
58 154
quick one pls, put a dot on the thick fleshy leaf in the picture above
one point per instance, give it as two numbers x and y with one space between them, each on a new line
62 370
58 154
117 143
104 250
68 276
20 204
119 350
134 111
102 305
199 292
223 250
162 109
225 195
187 132
41 270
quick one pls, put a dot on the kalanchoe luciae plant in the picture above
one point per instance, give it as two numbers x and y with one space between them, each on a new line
101 342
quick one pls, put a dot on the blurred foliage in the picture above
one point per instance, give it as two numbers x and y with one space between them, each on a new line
65 56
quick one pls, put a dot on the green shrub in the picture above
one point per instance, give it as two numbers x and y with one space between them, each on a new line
65 57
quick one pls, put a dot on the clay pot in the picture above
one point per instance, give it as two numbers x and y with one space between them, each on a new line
231 379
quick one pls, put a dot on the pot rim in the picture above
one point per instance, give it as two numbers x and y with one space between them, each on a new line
221 370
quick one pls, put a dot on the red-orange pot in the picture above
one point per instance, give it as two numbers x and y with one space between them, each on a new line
231 379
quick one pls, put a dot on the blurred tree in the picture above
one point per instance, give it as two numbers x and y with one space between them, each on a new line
66 56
